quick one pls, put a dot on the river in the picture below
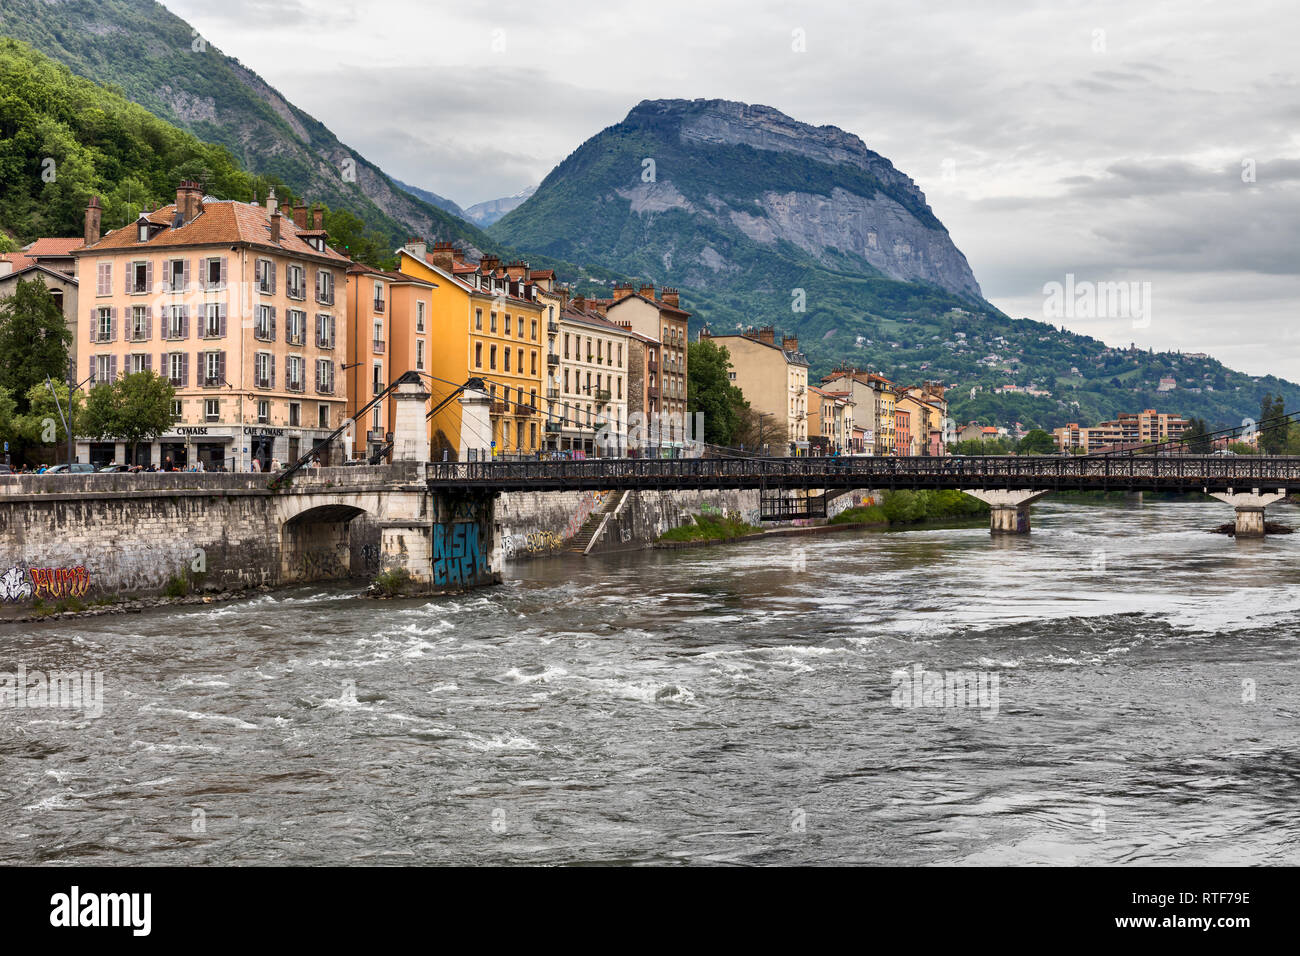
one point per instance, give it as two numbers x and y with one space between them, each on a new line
722 705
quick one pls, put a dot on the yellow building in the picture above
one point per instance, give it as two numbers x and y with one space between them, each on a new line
487 323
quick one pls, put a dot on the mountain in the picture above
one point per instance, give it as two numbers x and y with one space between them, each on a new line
433 199
760 219
159 61
486 213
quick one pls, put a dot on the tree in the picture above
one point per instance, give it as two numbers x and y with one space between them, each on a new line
709 391
1036 442
1272 430
46 410
136 408
34 340
1195 434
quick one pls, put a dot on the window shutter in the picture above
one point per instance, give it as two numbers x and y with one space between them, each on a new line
270 363
288 376
185 321
223 276
164 366
167 274
271 267
112 324
221 309
271 336
148 362
185 273
148 324
92 371
318 381
130 268
148 276
94 325
112 368
221 366
185 370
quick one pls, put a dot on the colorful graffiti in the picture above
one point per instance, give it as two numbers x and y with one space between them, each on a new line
18 584
534 542
457 555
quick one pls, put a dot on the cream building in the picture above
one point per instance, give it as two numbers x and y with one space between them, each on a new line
773 378
593 384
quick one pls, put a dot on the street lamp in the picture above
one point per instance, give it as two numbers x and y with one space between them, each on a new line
67 422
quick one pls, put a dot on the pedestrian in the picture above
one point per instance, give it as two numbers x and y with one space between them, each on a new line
167 464
275 464
315 461
256 465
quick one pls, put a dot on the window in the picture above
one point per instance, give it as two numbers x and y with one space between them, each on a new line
375 419
324 287
324 377
492 357
533 363
139 323
143 235
566 344
263 369
104 368
323 415
214 368
379 336
176 409
175 369
103 278
419 355
212 324
600 351
620 354
295 327
377 378
379 296
214 272
478 354
478 320
140 276
293 373
324 331
492 322
179 270
519 366
519 327
533 330
507 324
212 409
295 414
419 316
137 362
296 282
506 357
264 412
104 326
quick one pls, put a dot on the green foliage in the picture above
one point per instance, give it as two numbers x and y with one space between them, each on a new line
177 586
709 391
393 583
44 422
864 514
1195 434
976 446
135 408
34 339
1241 448
1036 442
710 526
1272 431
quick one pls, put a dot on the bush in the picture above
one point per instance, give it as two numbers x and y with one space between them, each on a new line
394 582
711 527
177 587
865 514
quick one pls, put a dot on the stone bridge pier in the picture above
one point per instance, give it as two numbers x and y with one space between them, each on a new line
1010 508
1249 506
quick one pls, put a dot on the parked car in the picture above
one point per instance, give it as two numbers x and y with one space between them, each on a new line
76 468
1224 453
116 468
6 470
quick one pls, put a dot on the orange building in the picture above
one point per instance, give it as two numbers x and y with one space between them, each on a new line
239 305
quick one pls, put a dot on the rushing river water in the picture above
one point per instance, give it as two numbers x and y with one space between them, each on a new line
718 705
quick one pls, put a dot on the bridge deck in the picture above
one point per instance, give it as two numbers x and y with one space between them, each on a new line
1137 473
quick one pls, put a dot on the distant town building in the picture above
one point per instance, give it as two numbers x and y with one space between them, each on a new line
774 378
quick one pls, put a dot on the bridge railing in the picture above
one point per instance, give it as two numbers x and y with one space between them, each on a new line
975 471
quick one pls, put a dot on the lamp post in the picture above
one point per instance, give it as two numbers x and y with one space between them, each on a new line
67 421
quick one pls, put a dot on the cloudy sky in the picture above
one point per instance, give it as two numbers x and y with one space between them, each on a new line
1111 141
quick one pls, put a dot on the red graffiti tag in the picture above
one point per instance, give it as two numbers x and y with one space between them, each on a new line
60 582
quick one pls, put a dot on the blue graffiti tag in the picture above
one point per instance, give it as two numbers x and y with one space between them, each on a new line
457 559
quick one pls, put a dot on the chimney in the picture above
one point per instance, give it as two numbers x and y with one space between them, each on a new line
621 290
416 247
648 291
93 213
318 219
489 264
300 214
270 202
579 302
517 270
286 210
443 255
704 332
188 204
669 297
767 335
275 226
564 298
790 343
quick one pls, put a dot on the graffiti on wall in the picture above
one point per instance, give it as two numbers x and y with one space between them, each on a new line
19 584
534 542
457 554
370 556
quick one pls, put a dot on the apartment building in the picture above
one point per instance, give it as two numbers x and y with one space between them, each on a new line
388 335
875 397
774 378
49 260
1147 427
239 305
486 324
830 421
656 316
595 356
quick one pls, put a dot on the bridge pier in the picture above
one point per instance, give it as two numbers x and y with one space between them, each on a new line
1249 507
1010 508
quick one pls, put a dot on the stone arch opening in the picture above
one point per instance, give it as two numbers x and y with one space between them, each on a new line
327 542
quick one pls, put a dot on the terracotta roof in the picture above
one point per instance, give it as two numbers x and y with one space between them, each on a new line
657 303
590 318
38 267
221 222
467 286
541 273
53 246
19 260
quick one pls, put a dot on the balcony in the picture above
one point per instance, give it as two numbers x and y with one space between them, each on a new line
652 367
552 393
552 358
379 307
553 328
525 410
653 389
553 426
603 395
498 408
212 383
377 346
294 385
375 435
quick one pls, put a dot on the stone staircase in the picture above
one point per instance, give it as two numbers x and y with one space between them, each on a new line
581 541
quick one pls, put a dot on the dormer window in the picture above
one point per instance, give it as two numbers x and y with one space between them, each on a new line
144 232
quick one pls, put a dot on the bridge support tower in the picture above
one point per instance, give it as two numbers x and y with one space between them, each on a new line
1249 506
1010 508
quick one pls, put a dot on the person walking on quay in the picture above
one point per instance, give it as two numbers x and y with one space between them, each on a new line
255 465
167 464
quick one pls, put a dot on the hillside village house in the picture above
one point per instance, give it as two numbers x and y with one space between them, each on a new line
388 317
487 324
239 305
51 261
774 378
